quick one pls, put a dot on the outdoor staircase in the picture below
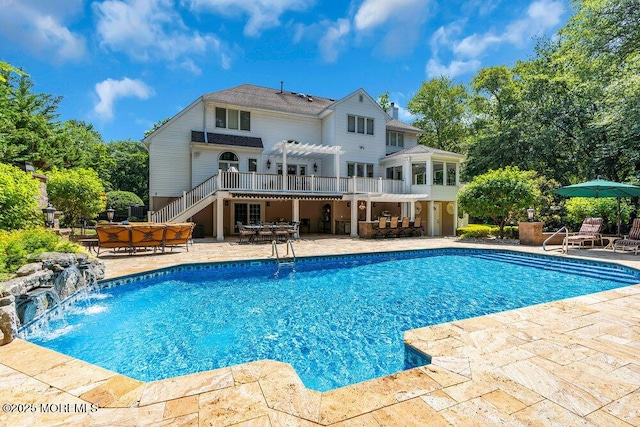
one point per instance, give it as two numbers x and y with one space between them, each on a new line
190 203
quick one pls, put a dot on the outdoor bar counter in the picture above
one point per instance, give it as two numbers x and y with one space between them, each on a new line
366 230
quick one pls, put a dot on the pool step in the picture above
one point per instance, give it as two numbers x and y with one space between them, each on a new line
592 271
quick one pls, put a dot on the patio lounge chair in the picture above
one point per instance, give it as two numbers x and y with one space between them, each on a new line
630 242
589 232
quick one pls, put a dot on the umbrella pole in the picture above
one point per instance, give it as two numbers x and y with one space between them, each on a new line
618 216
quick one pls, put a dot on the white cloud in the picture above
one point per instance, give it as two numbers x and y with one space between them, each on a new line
41 28
474 45
333 40
541 16
331 37
445 35
263 14
152 30
455 68
401 22
373 13
110 90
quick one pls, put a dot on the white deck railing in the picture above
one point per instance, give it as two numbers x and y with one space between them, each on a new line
256 182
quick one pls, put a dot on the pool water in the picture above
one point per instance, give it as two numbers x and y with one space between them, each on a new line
337 320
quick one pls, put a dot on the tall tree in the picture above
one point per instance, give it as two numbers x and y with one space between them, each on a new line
130 167
441 107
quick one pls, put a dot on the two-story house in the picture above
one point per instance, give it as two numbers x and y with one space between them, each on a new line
249 154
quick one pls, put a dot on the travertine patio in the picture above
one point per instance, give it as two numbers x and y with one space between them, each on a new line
570 362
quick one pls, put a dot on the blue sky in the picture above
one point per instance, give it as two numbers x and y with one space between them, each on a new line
123 65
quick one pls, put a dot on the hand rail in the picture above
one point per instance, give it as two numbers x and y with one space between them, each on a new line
285 259
565 245
290 245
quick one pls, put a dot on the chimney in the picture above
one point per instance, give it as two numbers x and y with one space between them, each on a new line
394 111
281 86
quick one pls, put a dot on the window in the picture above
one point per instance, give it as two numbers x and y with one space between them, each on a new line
245 120
221 117
395 139
232 119
451 174
351 123
360 169
227 160
357 124
438 173
394 172
253 165
418 173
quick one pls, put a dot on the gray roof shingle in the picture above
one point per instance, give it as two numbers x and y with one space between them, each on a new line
423 149
224 139
398 125
251 96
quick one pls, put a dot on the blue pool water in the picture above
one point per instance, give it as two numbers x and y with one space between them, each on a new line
337 320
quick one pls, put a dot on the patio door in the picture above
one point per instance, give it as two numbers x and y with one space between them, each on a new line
437 219
246 213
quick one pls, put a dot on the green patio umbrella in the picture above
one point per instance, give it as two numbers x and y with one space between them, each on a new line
600 188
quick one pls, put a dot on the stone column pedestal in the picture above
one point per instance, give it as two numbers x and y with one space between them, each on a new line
530 233
8 318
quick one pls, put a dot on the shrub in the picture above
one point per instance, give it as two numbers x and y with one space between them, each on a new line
78 193
477 231
19 193
121 200
19 247
579 208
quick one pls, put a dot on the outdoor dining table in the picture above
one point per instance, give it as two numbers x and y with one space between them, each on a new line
258 227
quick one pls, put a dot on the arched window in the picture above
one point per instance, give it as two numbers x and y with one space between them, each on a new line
227 160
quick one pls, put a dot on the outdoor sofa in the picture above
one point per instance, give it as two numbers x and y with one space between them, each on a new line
130 237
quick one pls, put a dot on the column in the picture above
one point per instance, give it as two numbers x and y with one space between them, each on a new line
219 218
354 218
431 218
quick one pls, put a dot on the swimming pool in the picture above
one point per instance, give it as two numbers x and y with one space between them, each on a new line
337 319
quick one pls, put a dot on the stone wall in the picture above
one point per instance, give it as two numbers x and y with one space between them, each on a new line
40 285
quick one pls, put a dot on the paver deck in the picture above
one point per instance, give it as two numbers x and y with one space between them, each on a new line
569 362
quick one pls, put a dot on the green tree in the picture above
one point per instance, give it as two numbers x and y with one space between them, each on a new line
129 167
28 127
78 193
157 125
499 194
384 102
441 108
19 193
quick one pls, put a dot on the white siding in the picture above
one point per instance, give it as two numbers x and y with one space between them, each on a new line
170 156
374 145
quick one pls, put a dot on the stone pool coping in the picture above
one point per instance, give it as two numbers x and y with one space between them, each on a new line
568 362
